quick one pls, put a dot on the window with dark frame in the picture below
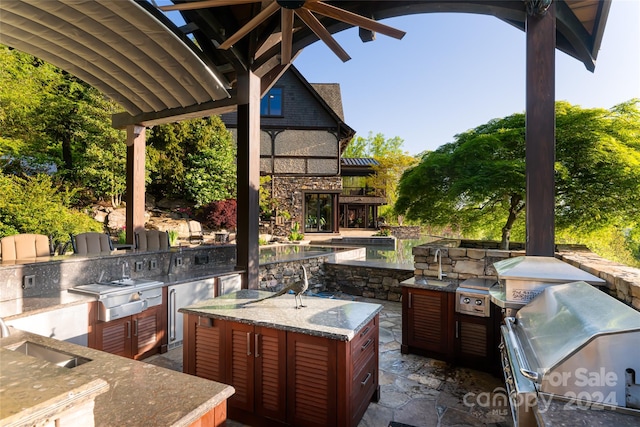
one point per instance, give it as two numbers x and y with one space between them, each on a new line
271 103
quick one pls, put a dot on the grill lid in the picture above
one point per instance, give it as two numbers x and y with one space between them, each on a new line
543 269
563 319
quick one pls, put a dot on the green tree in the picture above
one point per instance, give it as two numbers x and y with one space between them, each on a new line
192 159
392 162
477 182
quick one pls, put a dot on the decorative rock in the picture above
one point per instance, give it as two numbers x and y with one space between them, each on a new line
469 267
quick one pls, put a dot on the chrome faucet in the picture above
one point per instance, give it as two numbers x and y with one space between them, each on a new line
125 267
438 258
4 329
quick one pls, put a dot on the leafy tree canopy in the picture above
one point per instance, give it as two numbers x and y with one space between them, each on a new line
193 159
478 182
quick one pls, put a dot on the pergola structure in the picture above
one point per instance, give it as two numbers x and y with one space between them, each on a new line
230 52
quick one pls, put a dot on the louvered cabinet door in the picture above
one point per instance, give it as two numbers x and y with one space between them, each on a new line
147 332
115 336
428 322
474 342
240 362
203 347
270 352
311 380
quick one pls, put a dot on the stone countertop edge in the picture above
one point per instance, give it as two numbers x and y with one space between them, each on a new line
322 317
30 389
162 397
413 283
58 299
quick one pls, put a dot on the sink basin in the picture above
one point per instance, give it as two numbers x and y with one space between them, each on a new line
431 282
57 357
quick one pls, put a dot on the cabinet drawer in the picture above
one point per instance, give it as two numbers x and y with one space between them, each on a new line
364 384
364 340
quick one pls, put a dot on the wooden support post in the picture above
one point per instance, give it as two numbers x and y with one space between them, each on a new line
248 177
135 197
540 133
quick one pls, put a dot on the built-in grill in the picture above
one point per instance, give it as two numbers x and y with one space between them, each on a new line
121 298
575 343
521 279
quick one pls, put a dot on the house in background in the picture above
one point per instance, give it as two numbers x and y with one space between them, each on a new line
303 135
359 203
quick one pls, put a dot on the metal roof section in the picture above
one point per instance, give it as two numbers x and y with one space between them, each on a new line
361 162
116 46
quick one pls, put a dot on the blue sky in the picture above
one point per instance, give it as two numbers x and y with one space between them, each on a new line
453 72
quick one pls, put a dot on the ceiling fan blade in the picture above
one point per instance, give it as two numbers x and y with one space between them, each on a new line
249 26
324 35
203 4
354 19
287 36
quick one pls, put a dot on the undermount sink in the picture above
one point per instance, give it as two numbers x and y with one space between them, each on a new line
60 358
130 282
431 282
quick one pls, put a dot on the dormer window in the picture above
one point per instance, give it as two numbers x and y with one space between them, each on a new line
271 103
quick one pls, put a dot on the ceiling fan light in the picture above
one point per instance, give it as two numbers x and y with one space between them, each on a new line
290 4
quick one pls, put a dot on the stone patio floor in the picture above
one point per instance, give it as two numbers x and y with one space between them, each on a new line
415 391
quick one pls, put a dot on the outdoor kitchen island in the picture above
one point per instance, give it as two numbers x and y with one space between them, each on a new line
312 366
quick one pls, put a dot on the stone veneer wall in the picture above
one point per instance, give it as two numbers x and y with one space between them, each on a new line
464 259
364 280
278 275
288 192
403 231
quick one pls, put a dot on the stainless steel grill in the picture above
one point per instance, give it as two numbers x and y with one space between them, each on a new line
573 342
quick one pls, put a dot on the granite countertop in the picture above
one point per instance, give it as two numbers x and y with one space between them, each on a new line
325 317
139 394
421 282
554 413
32 391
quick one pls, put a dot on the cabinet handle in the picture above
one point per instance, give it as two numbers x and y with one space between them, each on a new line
128 329
410 294
365 332
248 343
172 307
135 328
366 379
256 345
367 344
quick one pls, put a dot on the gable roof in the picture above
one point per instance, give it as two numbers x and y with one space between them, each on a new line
330 92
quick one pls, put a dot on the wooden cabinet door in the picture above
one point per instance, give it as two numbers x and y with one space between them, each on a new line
148 332
240 362
429 321
204 350
270 351
311 380
474 344
115 336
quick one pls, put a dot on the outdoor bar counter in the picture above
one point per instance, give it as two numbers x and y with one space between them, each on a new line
126 392
312 366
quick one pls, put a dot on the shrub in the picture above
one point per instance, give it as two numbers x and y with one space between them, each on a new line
295 234
37 205
219 214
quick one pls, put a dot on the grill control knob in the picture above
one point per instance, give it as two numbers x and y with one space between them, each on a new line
466 300
478 302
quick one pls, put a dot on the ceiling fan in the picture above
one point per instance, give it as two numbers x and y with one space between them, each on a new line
303 9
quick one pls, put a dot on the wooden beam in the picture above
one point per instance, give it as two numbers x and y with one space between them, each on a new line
248 139
135 180
206 109
540 133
